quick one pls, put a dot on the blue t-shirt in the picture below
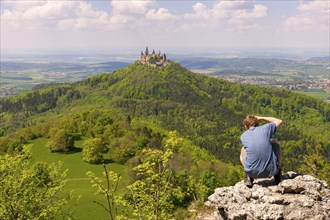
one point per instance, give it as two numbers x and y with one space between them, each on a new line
261 161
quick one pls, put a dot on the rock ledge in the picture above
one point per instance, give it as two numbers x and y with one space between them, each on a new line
296 197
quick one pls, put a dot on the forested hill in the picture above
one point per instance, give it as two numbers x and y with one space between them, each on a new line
206 110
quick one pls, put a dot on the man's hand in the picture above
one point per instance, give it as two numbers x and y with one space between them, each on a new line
277 121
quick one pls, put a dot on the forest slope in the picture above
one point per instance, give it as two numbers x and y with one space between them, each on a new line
206 110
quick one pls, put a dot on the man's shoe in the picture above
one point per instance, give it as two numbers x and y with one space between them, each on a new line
248 181
277 177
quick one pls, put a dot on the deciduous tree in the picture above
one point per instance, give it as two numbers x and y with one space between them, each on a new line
109 190
60 140
151 193
31 190
93 149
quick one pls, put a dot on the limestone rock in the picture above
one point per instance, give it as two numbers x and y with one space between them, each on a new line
295 197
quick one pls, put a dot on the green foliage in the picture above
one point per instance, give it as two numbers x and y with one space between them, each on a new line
78 184
197 162
122 149
185 189
26 134
10 144
206 111
31 191
108 190
208 182
60 140
150 195
37 101
92 150
182 172
67 123
315 164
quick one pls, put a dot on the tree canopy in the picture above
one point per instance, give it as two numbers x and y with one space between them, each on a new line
32 190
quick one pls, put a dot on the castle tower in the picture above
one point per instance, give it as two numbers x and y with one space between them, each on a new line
142 57
153 59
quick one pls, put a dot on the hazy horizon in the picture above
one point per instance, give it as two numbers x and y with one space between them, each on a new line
133 54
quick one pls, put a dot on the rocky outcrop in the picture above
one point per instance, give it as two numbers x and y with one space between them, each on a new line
295 197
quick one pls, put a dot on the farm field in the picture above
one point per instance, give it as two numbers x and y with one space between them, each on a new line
319 94
21 73
27 73
78 183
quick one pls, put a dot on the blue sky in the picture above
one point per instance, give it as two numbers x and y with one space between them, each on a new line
168 25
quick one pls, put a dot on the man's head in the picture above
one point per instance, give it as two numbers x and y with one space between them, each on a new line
250 121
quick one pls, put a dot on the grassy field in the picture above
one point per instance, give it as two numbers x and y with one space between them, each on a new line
317 93
78 182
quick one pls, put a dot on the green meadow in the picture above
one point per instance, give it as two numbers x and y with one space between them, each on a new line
317 93
78 183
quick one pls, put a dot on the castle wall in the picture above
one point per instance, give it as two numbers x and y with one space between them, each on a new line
153 59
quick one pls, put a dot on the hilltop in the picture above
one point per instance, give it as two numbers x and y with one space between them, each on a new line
206 110
196 119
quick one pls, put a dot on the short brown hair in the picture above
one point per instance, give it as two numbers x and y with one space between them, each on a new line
250 121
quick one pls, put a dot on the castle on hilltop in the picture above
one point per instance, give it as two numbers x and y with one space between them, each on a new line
153 59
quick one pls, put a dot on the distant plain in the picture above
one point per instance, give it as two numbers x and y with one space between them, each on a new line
303 74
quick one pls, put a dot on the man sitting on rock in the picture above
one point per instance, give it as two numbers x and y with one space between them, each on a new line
260 155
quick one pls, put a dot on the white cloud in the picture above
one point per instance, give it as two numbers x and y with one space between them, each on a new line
240 11
234 5
162 14
239 15
313 15
62 15
119 19
98 20
314 6
132 7
138 13
23 5
79 14
199 7
200 12
47 14
25 23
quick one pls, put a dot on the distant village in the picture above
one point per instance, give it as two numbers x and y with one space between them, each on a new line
153 59
308 83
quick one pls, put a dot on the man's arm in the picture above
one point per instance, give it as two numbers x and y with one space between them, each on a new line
277 121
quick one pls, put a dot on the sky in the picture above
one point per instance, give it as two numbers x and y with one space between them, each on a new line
168 25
